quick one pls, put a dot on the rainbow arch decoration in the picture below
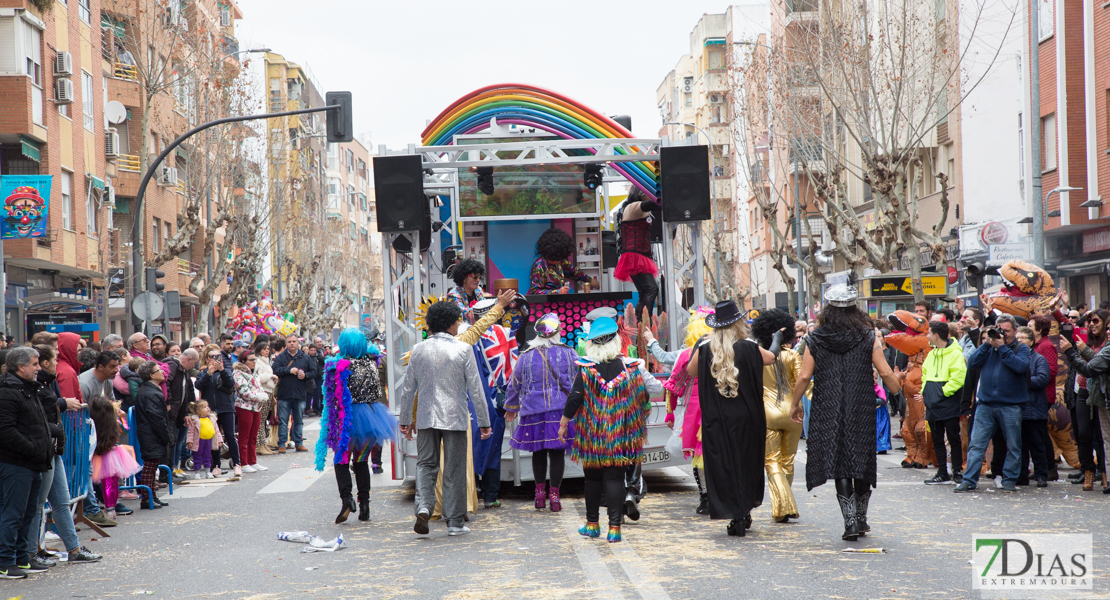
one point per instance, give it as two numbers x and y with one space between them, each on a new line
530 106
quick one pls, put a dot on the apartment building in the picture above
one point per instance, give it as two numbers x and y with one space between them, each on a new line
350 207
693 104
1073 45
160 54
52 94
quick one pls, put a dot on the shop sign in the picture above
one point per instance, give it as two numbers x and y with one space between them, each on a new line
934 285
1000 254
1096 240
994 233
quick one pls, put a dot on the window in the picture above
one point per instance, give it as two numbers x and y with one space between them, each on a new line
716 59
87 100
350 160
689 99
1108 119
104 98
941 10
90 212
67 200
33 53
1045 19
169 231
83 6
1048 141
942 106
156 241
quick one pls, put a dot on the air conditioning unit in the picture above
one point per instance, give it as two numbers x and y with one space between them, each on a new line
63 91
688 84
167 177
182 22
110 197
63 63
714 98
111 143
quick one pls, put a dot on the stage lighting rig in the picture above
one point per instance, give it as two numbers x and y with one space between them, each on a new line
592 177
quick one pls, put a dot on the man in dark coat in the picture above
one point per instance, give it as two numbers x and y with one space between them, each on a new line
295 370
181 395
26 452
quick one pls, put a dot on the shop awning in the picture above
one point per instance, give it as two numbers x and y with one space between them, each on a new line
30 148
97 183
107 22
37 263
1090 267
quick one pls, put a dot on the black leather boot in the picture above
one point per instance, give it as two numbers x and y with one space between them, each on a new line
845 495
703 504
362 479
343 479
862 499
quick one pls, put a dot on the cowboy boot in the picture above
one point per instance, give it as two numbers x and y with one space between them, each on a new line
556 505
847 499
862 500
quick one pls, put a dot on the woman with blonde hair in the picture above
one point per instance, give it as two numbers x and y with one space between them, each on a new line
729 368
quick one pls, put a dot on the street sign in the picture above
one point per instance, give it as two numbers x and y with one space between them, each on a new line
147 306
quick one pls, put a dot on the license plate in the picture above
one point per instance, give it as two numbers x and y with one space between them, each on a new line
656 456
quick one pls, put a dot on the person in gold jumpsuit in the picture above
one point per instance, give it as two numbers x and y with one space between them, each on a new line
782 432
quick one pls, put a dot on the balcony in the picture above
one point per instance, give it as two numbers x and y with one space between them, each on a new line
20 112
125 71
276 104
806 155
798 11
229 46
126 91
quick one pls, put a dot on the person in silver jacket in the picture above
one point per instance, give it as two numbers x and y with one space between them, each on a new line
442 371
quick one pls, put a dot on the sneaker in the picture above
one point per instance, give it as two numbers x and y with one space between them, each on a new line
966 486
1042 482
216 472
258 467
494 504
453 531
238 471
101 519
281 450
249 469
128 496
122 510
378 470
302 449
12 572
1008 487
44 559
179 472
209 475
32 565
938 479
958 478
421 525
83 554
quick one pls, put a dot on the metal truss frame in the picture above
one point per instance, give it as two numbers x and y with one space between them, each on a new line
676 275
539 152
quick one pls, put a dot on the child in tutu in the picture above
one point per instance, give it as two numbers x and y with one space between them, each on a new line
111 460
203 435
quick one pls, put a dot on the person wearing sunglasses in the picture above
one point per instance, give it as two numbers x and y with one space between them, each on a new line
1090 360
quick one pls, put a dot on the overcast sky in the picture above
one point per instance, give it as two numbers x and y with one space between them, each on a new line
407 60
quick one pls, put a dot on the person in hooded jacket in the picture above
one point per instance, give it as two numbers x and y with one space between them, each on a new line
1034 414
26 453
153 427
68 366
55 485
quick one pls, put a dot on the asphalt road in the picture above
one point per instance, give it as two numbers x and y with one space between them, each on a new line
219 541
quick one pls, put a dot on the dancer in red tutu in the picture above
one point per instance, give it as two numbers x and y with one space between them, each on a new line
634 244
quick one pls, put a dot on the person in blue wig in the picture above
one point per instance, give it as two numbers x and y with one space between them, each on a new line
355 418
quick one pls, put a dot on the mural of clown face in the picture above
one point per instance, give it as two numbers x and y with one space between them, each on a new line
24 213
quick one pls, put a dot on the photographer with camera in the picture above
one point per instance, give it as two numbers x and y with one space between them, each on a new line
1003 365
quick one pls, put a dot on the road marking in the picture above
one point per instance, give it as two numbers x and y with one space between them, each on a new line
638 572
195 490
604 586
293 480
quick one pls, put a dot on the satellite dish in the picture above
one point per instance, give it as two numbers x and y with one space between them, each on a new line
116 112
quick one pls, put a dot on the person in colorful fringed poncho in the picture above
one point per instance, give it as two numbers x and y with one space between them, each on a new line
355 418
609 403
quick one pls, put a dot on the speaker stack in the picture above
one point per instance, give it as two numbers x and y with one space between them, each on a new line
399 196
685 183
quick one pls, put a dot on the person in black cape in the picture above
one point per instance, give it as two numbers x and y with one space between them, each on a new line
841 442
729 368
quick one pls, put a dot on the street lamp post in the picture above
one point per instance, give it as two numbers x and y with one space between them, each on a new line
716 225
1038 219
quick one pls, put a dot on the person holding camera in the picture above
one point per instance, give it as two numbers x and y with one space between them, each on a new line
216 385
1003 363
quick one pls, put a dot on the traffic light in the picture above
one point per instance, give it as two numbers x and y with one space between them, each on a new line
340 120
977 272
152 277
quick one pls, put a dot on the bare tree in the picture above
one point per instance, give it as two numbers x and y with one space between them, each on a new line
861 99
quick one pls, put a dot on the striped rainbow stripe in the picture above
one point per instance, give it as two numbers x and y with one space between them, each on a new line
516 104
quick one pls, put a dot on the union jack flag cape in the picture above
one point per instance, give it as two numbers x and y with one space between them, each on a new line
500 351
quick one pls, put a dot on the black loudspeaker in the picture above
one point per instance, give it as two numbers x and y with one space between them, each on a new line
399 193
685 180
402 244
657 226
608 249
